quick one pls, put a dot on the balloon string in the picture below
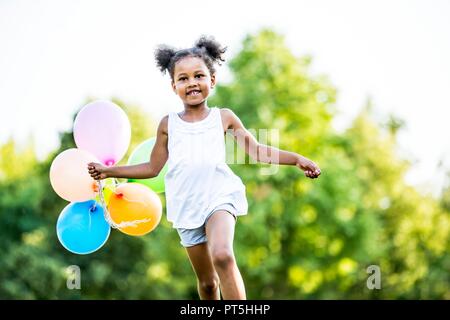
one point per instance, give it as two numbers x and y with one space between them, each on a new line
90 219
107 215
105 208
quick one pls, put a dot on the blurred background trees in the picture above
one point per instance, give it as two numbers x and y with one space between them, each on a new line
302 238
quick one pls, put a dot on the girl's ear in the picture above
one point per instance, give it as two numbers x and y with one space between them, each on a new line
174 88
213 80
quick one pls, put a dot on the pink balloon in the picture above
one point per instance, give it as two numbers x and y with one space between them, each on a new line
69 175
102 128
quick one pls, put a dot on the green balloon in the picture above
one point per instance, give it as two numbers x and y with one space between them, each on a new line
142 154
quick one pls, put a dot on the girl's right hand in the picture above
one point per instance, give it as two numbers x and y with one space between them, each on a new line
97 171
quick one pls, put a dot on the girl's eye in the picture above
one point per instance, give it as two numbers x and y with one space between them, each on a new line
182 78
199 75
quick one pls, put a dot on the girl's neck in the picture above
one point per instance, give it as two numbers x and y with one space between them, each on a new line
196 112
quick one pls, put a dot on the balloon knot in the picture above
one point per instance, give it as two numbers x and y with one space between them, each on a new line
109 163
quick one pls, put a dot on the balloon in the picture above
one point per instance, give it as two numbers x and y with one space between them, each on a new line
133 202
141 154
108 189
69 175
82 228
102 128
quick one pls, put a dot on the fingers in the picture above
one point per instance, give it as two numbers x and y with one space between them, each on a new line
309 167
313 174
94 171
314 171
98 176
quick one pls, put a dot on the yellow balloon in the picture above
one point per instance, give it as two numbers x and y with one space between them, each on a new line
137 208
70 178
108 189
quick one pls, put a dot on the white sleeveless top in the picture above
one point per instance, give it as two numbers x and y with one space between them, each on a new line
198 178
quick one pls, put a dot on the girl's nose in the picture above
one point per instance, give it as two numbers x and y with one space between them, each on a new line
192 82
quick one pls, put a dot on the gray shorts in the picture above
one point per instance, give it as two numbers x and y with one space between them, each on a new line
192 237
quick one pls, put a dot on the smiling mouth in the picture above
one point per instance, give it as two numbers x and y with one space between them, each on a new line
193 93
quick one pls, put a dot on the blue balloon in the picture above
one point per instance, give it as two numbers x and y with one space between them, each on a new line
82 228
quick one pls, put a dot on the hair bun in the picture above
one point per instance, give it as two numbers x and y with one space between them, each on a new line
163 55
213 48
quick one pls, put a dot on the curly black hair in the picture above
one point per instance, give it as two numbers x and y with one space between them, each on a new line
206 48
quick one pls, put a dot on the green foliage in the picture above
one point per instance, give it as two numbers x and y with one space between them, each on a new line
302 238
315 238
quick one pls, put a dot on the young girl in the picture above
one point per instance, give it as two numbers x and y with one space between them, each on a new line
203 196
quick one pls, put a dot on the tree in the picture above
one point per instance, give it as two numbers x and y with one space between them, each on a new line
302 238
315 238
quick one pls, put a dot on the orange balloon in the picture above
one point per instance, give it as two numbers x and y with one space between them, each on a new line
137 208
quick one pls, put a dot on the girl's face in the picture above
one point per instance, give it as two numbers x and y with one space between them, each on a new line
192 81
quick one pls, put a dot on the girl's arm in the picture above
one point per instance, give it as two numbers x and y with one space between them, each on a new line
144 170
266 154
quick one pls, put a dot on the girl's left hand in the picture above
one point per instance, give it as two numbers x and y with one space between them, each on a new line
311 169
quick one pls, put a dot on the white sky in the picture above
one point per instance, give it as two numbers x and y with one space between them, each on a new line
53 54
